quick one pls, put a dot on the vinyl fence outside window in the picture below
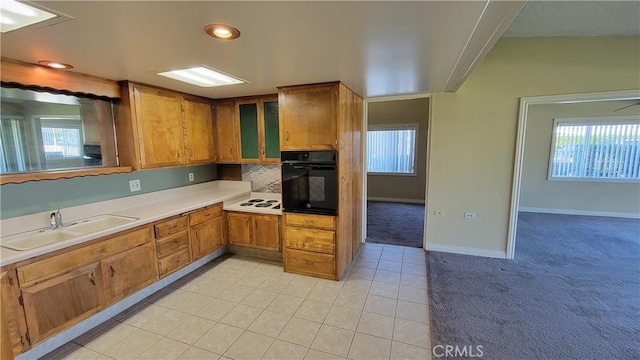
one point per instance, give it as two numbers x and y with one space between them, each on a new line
391 150
595 149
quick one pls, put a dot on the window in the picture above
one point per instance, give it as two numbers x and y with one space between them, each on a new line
391 150
61 137
595 149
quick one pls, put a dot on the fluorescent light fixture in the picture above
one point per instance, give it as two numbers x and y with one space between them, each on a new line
15 15
202 76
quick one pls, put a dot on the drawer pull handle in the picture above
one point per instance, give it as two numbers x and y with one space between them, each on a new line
112 270
92 278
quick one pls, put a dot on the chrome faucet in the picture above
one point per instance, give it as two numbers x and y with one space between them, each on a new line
56 219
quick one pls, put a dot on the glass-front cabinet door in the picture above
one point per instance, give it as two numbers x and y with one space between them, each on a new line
259 130
271 131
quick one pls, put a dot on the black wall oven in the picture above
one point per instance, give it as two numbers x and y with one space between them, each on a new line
309 182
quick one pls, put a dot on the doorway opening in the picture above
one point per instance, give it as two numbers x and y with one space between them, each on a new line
395 161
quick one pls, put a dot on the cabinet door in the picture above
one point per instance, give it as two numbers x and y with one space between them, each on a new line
239 229
197 119
266 232
226 133
159 127
13 326
271 130
207 237
57 303
129 271
308 117
249 131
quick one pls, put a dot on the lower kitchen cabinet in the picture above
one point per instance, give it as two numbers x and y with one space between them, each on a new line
310 245
129 271
12 322
253 230
55 304
206 231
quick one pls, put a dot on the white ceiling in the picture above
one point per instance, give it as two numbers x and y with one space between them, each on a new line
376 48
577 18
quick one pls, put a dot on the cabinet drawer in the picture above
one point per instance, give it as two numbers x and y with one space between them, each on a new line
309 263
314 221
174 262
310 240
205 214
173 244
170 227
60 264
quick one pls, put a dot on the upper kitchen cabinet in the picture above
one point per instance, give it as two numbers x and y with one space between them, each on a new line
259 134
160 128
226 131
309 116
197 121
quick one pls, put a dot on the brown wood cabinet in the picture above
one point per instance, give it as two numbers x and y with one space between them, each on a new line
310 245
253 230
173 247
161 128
55 304
206 231
308 116
197 120
13 326
226 132
47 294
326 116
128 272
258 127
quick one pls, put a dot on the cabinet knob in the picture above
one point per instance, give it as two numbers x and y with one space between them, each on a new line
112 270
92 278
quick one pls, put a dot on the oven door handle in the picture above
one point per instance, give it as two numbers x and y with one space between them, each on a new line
313 167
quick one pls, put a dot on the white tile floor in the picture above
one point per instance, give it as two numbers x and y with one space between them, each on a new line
246 308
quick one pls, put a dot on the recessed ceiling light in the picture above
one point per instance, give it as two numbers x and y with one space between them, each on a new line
55 64
222 31
202 76
15 15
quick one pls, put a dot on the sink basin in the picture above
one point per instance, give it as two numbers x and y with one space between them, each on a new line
98 223
36 238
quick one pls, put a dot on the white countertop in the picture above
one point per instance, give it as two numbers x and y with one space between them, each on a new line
147 208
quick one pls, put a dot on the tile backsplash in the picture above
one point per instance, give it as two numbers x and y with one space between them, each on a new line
264 178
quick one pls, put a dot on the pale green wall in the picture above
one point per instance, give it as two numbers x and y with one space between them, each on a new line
37 196
473 132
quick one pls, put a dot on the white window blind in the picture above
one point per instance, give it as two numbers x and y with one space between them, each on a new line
61 137
596 149
391 150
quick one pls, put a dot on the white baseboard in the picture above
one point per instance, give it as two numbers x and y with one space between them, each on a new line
396 200
579 212
467 251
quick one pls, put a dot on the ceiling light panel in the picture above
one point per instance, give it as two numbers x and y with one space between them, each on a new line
15 15
202 76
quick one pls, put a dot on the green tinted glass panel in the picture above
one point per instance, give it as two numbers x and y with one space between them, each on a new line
271 130
249 131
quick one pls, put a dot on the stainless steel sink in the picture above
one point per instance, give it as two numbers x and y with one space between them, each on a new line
36 238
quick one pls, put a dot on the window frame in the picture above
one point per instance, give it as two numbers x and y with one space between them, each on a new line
386 127
600 120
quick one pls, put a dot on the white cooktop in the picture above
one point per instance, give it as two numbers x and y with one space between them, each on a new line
262 203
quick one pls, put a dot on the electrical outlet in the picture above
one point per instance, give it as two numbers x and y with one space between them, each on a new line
134 185
191 178
469 215
438 212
